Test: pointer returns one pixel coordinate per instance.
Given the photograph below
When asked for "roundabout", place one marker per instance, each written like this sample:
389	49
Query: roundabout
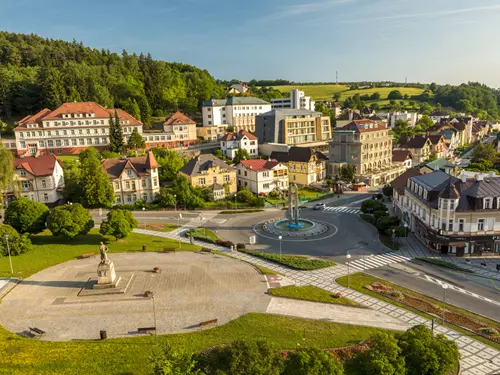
309	231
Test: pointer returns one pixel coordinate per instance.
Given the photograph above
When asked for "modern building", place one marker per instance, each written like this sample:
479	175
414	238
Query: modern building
40	179
296	100
230	143
454	215
262	177
292	127
238	112
133	178
367	146
178	131
210	133
69	129
402	157
305	166
209	172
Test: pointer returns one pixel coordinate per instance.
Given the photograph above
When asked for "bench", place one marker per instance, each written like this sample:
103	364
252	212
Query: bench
146	329
169	250
38	331
87	255
213	321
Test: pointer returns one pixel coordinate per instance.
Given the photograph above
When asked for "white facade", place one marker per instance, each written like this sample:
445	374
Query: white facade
263	180
297	100
130	187
232	142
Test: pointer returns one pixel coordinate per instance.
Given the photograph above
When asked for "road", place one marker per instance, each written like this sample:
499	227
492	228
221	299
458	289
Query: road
466	158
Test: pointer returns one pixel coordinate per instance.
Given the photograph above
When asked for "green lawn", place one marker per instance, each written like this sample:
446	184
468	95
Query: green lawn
64	158
266	271
357	282
292	261
310	194
310	293
49	250
160	227
204	234
21	356
442	263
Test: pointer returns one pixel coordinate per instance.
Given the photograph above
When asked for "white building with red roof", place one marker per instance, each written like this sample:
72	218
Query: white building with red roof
230	143
178	130
262	177
69	129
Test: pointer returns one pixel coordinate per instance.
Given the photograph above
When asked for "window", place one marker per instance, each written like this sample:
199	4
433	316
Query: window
433	220
215	179
45	197
480	224
129	198
461	225
129	172
265	186
118	200
452	204
201	181
82	141
58	142
50	143
450	225
226	178
133	185
443	224
155	181
127	185
488	203
22	172
73	142
117	186
44	184
265	174
143	183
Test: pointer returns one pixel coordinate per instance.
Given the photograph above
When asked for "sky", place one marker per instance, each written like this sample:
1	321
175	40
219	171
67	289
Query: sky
443	41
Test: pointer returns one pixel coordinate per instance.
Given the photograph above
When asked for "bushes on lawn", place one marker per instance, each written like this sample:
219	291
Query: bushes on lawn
17	243
292	261
70	221
371	205
368	218
26	216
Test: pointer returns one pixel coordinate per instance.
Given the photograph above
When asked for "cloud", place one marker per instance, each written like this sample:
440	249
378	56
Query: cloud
425	15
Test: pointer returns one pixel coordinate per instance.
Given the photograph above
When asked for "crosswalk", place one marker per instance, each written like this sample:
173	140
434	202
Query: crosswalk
343	210
375	261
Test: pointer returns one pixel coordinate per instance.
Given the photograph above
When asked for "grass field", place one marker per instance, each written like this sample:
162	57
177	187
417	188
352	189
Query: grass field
293	261
204	234
310	293
326	92
65	158
49	250
22	356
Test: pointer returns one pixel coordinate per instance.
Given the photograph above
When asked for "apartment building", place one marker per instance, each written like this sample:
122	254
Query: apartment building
293	127
210	133
230	143
296	100
262	177
69	129
453	215
133	178
238	112
178	131
305	166
366	145
39	178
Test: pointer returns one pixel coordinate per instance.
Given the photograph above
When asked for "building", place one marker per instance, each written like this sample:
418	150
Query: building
230	143
411	118
452	136
439	147
133	178
178	131
367	146
9	144
238	88
238	112
293	127
398	192
262	177
69	129
419	145
347	117
455	215
297	100
305	166
208	171
40	179
440	164
402	157
438	116
210	133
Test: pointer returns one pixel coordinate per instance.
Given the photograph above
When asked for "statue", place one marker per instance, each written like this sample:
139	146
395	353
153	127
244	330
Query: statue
104	253
106	276
293	206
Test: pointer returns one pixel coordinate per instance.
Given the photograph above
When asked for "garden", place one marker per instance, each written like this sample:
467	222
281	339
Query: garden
293	261
313	294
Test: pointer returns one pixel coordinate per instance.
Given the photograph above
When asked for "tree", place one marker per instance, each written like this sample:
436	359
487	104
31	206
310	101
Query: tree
112	135
132	108
424	123
173	361
372	205
336	96
73	189
118	133
118	223
136	140
170	161
375	96
395	95
18	244
433	87
230	129
3	127
97	189
145	111
433	156
348	172
425	353
385	223
240	155
245	195
374	106
70	221
387	190
486	152
383	358
26	216
312	361
6	170
219	154
187	195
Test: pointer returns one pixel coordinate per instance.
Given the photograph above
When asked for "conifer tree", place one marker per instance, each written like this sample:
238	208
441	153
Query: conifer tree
118	133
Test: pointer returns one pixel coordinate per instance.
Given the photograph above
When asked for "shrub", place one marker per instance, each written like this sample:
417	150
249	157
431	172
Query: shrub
372	205
387	222
240	246
26	216
396	294
118	223
490	331
224	243
18	244
368	218
379	213
70	221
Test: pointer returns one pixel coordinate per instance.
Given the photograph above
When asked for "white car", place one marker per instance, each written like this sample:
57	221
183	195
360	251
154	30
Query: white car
319	206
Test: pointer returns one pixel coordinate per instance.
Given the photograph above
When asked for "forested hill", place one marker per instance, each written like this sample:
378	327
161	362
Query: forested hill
36	73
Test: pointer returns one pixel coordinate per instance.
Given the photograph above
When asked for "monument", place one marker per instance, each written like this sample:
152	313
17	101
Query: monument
293	207
106	275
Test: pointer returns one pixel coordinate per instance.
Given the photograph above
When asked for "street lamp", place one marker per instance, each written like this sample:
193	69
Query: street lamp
348	256
8	250
175	201
154	315
280	238
236	201
445	286
178	226
144	217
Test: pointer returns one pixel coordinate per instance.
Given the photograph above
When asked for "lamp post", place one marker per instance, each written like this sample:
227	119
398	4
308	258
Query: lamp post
406	232
280	238
178	226
154	315
236	201
348	256
445	286
175	201
144	217
8	250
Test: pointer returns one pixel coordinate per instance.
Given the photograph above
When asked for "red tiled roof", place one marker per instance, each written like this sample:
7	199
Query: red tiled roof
362	126
238	136
123	116
259	164
32	119
37	166
179	118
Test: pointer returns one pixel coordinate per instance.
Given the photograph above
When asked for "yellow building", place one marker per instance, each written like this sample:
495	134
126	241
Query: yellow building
207	171
305	166
210	133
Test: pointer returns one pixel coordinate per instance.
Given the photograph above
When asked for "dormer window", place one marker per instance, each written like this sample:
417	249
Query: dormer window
129	172
22	172
487	203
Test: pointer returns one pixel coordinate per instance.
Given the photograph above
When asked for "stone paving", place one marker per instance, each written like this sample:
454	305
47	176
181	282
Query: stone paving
477	358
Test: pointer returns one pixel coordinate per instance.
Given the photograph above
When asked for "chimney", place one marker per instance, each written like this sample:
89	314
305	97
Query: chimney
464	178
492	174
479	177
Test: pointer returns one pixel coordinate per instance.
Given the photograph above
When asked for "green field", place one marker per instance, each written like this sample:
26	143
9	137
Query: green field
65	158
325	92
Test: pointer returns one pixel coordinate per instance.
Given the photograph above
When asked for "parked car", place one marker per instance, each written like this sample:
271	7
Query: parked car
319	206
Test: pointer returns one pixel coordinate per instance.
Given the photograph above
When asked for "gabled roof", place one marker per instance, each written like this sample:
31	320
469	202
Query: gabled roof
237	136
346	116
202	163
435	139
33	119
179	118
439	164
460	125
298	154
415	142
399	182
362	126
400	156
37	166
140	164
260	165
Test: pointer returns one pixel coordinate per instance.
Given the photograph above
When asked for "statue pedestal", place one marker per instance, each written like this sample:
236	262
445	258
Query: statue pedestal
106	276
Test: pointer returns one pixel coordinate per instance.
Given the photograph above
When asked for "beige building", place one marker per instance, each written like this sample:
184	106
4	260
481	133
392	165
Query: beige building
305	166
208	171
367	146
178	131
420	146
210	133
133	178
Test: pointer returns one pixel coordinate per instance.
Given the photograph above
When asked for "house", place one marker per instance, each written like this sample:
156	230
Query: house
439	147
70	128
134	178
398	192
230	143
464	130
454	215
238	88
305	166
411	118
262	177
418	145
402	157
209	172
296	100
40	179
178	131
479	130
438	116
440	164
347	117
452	136
210	133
